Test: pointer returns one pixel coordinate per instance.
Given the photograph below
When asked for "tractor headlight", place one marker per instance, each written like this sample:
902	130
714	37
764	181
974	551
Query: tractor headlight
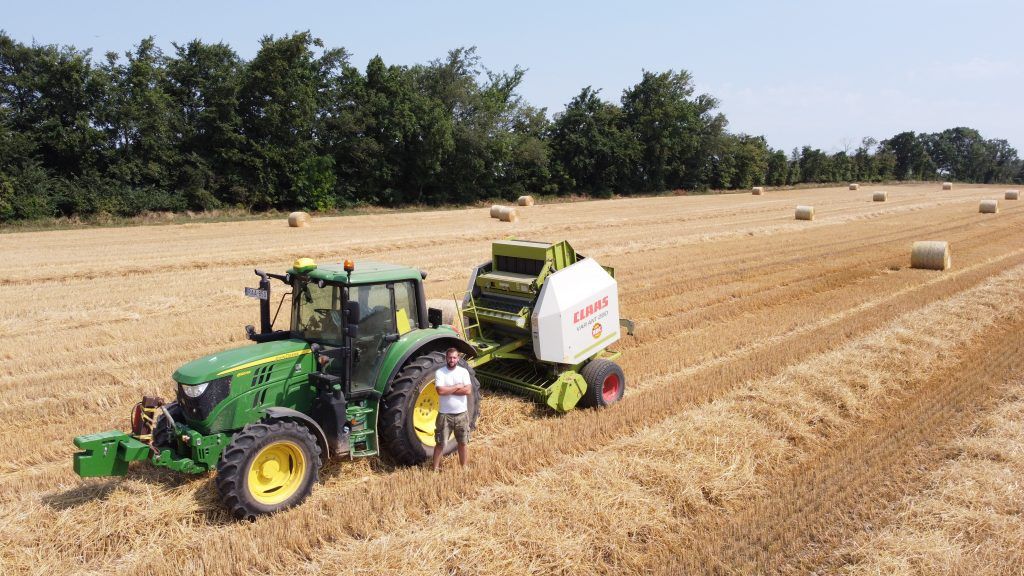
195	391
198	401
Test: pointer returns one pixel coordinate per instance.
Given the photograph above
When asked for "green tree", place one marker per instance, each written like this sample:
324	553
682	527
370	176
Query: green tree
138	115
778	169
203	81
279	100
591	149
675	132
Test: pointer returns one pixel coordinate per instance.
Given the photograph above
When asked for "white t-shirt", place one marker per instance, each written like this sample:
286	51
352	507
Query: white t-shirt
452	403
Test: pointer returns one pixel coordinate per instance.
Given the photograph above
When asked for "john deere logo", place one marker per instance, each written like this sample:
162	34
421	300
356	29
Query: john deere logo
596	330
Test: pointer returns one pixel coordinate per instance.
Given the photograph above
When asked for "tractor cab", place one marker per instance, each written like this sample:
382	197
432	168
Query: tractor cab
327	308
375	305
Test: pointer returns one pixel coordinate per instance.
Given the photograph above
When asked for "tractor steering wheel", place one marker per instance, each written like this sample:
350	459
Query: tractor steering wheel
327	313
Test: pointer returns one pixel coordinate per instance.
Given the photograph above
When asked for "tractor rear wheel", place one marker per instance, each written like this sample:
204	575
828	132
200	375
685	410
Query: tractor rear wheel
268	466
605	383
409	410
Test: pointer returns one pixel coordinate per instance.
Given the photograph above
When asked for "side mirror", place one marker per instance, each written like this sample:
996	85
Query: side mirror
435	317
250	331
352	311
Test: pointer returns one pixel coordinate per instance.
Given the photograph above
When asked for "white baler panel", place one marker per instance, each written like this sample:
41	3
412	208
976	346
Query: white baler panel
577	313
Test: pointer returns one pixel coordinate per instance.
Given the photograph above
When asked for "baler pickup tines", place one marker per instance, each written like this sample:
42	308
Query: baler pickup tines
560	392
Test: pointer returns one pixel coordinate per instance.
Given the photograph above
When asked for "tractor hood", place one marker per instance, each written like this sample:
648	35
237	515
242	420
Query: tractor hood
236	360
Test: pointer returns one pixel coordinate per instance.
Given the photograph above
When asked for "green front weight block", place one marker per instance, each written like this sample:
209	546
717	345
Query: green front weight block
107	453
566	391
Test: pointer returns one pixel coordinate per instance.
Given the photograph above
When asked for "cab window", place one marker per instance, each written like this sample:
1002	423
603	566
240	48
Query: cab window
406	308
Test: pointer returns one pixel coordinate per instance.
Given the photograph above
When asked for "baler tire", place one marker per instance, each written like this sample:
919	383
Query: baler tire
396	430
235	463
598	373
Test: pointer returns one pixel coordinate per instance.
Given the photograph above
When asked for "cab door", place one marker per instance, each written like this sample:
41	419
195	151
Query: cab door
386	313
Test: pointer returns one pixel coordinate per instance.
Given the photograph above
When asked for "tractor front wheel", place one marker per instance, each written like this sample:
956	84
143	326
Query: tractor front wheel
605	383
268	466
409	410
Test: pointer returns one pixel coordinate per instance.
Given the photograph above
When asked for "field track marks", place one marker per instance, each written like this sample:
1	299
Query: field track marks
795	525
967	517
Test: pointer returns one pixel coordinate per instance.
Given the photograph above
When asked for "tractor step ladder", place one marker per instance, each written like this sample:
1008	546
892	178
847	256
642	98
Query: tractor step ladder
362	442
464	311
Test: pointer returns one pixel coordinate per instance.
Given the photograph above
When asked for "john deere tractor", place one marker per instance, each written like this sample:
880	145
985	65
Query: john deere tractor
353	375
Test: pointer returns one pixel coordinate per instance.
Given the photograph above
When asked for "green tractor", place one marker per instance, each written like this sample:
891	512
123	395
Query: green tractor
354	374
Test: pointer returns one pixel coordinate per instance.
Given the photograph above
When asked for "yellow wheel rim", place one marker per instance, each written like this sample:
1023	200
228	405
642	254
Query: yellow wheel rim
276	472
424	415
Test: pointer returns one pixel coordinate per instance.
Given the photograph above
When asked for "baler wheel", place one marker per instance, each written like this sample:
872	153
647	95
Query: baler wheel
409	409
268	466
605	383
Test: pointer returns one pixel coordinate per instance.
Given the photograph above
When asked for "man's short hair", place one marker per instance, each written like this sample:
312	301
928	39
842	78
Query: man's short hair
449	351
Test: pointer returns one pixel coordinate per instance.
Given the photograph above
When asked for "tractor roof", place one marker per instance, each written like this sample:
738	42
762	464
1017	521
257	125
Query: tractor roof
365	272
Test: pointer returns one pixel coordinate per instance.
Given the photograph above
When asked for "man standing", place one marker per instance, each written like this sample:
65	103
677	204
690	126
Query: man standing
453	389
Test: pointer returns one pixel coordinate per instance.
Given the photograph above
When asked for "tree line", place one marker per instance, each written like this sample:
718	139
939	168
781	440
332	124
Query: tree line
298	126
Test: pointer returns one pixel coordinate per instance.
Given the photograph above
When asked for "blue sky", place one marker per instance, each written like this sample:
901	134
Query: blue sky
820	73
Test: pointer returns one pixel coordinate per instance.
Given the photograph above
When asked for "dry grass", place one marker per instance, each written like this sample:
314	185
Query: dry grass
967	520
748	358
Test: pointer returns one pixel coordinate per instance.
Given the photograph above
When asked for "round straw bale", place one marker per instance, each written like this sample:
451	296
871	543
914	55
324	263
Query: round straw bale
758	190
930	255
880	196
507	214
449	309
525	201
494	210
947	185
989	207
1013	194
805	212
299	220
854	186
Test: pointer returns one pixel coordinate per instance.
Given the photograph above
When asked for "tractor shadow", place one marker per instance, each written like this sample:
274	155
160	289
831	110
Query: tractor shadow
81	495
100	490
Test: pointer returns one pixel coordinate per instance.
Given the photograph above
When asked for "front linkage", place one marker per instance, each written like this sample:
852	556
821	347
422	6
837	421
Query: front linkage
156	436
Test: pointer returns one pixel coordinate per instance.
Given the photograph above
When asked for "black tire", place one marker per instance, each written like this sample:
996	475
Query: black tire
240	455
597	373
396	428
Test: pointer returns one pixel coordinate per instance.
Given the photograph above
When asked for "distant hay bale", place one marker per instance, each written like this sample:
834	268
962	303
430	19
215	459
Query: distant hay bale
299	220
507	214
930	255
525	201
989	207
880	196
1012	194
854	186
758	190
494	210
805	212
947	185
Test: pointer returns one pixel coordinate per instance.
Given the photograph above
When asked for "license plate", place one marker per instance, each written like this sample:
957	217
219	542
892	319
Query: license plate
256	293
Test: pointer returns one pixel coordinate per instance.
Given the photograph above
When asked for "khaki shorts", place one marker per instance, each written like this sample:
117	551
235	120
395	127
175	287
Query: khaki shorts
448	423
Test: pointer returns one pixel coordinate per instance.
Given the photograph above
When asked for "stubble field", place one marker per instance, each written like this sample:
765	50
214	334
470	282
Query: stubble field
799	399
